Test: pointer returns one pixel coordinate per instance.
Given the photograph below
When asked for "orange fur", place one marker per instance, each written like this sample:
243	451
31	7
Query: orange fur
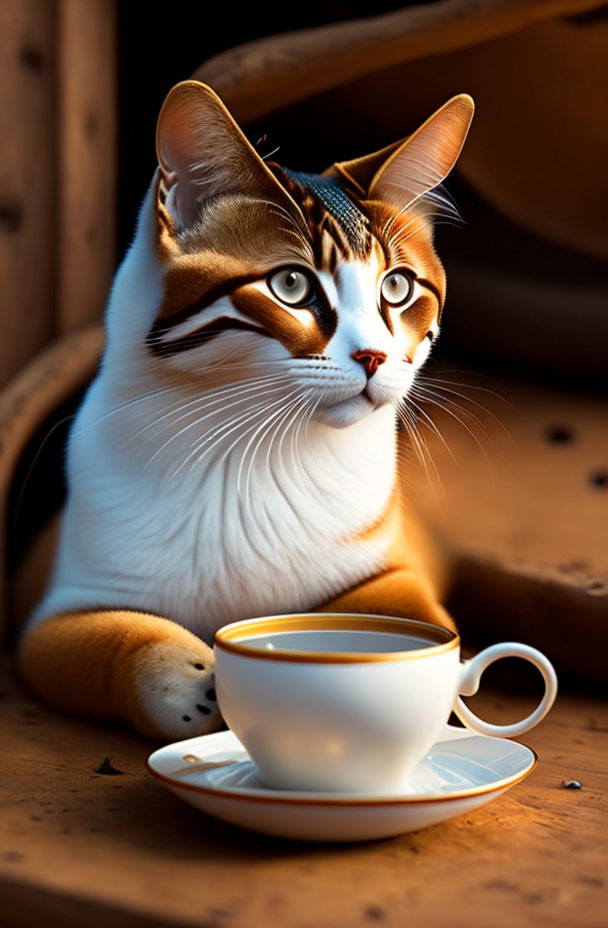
401	591
90	663
414	578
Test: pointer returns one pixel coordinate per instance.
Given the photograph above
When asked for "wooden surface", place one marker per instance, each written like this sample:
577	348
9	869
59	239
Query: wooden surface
81	848
514	476
27	176
57	170
273	72
87	125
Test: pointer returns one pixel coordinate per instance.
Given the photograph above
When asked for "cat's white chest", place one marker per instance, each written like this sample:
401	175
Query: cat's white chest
270	551
226	543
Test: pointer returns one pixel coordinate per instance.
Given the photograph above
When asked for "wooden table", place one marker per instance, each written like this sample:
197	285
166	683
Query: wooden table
82	848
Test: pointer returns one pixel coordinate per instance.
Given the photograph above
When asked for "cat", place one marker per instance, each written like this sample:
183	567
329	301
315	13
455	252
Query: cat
236	454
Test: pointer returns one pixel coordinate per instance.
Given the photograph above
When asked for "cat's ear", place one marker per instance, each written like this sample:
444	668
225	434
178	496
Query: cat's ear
405	171
203	153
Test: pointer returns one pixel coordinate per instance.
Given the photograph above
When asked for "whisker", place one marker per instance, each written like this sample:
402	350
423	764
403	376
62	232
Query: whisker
207	399
468	399
197	422
432	425
273	427
222	431
302	427
427	393
172	389
215	436
437	379
424	455
251	440
464	425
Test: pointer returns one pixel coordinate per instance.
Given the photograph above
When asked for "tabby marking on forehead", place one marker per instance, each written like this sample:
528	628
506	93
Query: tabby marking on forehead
330	212
331	193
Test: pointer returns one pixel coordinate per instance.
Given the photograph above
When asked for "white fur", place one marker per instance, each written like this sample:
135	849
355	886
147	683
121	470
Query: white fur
174	707
206	536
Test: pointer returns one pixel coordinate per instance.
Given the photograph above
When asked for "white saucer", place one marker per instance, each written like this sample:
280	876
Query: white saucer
463	770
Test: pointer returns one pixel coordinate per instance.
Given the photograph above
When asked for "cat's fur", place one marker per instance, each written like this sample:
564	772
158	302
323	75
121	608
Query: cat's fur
236	455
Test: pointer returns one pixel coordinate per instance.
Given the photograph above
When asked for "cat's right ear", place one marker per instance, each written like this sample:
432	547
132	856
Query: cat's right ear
405	171
202	153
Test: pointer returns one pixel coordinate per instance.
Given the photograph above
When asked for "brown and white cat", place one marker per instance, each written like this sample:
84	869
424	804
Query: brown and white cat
236	454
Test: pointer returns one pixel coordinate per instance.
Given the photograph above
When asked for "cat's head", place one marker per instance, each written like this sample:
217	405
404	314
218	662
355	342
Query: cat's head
327	286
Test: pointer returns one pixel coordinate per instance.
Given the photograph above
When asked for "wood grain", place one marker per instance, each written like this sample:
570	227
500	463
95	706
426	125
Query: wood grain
521	496
27	173
86	183
79	848
57	170
265	75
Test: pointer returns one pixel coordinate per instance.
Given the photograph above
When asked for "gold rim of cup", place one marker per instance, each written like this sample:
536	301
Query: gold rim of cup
236	637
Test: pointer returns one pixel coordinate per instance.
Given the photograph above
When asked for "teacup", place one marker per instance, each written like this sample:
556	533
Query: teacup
342	702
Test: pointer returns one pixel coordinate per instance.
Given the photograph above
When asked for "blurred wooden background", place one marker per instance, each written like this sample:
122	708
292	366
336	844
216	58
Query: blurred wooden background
527	277
537	71
57	170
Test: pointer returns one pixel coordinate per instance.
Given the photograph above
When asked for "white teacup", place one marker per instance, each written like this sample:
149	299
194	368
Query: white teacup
351	703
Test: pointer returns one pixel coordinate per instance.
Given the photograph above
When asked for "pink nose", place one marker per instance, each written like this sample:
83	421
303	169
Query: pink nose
371	360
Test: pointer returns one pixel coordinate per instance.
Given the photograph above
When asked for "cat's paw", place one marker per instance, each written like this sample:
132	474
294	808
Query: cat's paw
174	690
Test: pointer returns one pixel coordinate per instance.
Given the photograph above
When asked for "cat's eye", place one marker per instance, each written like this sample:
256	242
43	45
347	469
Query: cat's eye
396	288
291	285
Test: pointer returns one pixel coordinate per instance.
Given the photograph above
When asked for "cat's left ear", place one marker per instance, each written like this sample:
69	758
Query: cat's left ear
405	171
202	153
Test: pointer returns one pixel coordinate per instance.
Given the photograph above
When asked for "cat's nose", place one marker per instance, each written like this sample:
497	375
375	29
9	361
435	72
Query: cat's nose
371	360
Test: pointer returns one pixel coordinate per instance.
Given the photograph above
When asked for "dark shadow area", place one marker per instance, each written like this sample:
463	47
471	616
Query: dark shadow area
151	61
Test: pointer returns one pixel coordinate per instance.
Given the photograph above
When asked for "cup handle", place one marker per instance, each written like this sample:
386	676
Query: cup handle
469	684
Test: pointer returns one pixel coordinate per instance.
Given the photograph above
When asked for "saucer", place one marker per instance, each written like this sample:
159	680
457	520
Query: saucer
463	770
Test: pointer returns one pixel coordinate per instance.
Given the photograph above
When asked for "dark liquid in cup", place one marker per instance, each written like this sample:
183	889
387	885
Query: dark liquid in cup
345	641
